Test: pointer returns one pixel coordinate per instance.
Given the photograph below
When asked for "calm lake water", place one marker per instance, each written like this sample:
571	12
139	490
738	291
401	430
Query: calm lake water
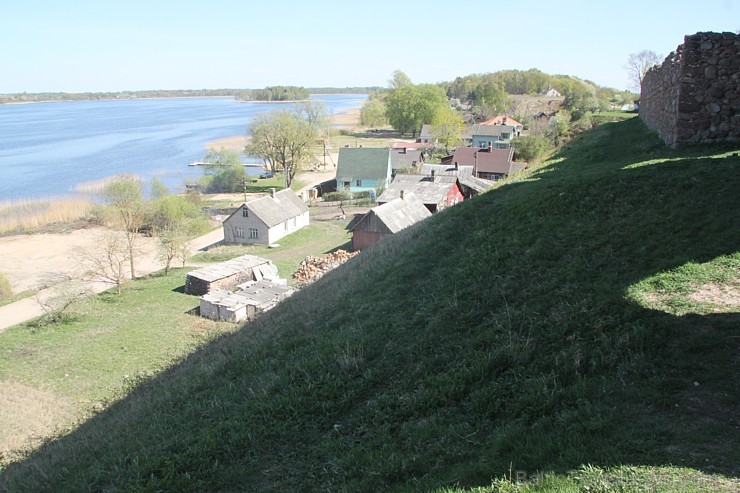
48	149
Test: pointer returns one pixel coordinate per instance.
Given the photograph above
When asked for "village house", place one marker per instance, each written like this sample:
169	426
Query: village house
265	220
387	219
229	274
405	156
470	185
552	93
362	169
505	120
435	192
498	136
489	164
425	137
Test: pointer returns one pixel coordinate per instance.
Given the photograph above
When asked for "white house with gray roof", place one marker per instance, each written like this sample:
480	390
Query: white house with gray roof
265	220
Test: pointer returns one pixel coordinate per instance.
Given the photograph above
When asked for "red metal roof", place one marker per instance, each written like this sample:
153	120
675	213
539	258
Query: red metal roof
502	120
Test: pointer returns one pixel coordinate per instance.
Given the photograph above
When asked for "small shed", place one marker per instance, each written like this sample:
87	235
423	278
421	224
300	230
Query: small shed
244	304
227	275
388	219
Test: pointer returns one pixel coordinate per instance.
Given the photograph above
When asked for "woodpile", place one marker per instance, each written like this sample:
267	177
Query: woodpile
312	268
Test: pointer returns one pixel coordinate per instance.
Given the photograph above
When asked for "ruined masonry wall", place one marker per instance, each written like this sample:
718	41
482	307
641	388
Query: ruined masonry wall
694	96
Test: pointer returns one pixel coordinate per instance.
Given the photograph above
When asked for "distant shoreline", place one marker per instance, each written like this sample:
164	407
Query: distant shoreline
164	97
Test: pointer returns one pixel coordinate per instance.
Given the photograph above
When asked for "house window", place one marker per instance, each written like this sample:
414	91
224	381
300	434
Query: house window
245	212
358	183
239	232
253	233
505	136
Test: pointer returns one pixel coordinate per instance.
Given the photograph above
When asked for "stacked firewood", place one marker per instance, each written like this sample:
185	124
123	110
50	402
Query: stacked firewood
312	268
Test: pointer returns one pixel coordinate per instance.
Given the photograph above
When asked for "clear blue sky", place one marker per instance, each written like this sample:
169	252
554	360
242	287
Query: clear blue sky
99	45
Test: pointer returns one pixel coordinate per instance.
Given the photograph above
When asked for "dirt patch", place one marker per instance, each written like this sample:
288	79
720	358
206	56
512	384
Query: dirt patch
34	261
27	414
725	297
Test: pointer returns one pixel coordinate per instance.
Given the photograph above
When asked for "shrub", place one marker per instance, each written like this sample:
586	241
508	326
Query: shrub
5	290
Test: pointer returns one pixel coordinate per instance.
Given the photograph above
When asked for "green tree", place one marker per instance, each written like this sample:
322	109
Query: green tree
411	106
490	97
284	140
398	80
125	195
223	171
531	148
447	127
372	113
157	189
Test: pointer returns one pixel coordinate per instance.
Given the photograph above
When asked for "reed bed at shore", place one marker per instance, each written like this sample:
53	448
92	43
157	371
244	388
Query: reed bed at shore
98	186
17	216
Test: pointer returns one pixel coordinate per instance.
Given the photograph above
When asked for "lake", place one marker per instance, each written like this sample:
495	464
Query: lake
47	149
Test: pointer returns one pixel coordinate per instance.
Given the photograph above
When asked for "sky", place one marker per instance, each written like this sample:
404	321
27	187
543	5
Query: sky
97	46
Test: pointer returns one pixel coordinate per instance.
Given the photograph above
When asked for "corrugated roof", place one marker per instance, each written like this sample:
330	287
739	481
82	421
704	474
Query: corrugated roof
491	130
363	162
230	267
401	213
275	210
261	294
431	191
464	175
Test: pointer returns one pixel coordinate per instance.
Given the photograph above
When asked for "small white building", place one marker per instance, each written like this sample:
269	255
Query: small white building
265	220
251	299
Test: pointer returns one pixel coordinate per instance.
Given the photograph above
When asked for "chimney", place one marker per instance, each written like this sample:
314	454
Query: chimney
456	168
402	194
432	175
272	190
490	146
403	150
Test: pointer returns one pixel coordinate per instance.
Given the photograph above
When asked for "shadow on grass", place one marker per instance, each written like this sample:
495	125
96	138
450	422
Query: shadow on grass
497	333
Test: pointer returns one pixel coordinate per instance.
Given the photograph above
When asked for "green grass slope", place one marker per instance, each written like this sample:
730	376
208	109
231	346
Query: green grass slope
529	334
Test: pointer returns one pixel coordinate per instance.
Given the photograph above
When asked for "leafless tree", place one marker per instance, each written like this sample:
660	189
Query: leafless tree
108	262
56	295
639	63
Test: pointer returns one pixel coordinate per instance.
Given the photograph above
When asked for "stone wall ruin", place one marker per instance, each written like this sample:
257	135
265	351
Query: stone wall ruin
694	96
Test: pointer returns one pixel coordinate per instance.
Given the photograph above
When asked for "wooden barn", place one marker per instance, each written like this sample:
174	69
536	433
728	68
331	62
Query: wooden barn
388	219
229	274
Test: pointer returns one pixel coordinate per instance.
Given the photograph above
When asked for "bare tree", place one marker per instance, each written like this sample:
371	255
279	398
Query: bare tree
108	262
639	63
172	242
125	195
57	295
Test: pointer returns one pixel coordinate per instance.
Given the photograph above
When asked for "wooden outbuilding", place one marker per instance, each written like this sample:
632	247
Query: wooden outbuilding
229	274
388	219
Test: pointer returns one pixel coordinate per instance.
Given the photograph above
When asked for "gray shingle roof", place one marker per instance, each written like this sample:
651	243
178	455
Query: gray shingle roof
278	209
492	130
405	158
363	162
401	213
464	175
431	191
234	266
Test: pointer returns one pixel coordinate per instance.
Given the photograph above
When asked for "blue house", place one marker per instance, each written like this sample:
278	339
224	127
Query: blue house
492	136
361	169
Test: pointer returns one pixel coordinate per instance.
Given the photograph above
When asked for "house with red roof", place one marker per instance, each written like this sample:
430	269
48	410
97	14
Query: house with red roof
505	120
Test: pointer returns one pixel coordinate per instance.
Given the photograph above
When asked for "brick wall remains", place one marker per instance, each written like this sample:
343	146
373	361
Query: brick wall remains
694	96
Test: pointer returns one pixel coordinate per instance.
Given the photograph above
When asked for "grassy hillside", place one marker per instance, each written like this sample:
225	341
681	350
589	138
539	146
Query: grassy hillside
550	331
